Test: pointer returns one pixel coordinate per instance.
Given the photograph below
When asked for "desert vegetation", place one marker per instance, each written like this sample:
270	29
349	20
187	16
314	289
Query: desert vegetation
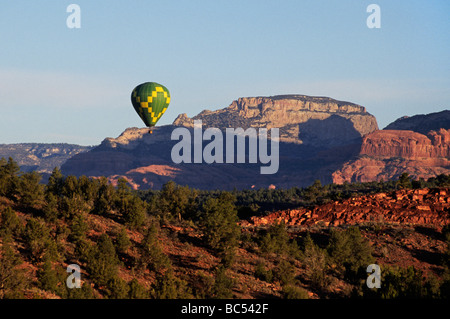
180	242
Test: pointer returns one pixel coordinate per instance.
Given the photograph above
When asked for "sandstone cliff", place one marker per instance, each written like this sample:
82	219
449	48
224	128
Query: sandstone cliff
320	138
388	153
408	144
317	135
301	119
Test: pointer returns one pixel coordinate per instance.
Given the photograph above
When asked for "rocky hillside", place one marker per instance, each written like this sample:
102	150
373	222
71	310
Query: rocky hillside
422	123
425	207
40	157
180	243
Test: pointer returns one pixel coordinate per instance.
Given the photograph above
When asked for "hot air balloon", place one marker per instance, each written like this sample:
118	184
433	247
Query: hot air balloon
150	100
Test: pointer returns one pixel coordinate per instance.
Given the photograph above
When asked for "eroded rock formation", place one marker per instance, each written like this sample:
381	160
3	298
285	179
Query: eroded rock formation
317	135
387	154
300	118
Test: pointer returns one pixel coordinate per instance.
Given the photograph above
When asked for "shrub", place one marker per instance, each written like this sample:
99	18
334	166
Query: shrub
397	282
294	292
262	273
222	288
84	250
168	286
203	286
136	291
85	292
276	239
284	272
73	206
116	288
315	261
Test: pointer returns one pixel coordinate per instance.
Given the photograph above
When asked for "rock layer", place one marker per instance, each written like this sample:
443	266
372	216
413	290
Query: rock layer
408	144
387	154
300	118
40	157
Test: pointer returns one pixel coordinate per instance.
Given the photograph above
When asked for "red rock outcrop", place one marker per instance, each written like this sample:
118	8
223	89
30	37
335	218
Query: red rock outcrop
417	207
408	144
388	153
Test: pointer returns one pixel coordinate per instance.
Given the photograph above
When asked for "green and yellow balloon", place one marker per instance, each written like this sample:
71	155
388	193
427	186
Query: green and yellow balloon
150	100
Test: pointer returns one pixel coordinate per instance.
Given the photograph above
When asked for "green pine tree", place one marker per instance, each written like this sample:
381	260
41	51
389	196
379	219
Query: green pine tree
122	242
152	255
10	223
47	277
103	261
168	286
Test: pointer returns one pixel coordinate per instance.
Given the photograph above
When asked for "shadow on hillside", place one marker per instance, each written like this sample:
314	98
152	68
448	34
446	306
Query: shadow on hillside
428	231
330	132
432	258
187	262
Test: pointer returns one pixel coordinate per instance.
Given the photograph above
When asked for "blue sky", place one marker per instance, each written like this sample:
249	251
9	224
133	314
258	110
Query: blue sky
73	85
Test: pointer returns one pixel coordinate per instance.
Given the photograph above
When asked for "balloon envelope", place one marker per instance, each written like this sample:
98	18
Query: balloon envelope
150	100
